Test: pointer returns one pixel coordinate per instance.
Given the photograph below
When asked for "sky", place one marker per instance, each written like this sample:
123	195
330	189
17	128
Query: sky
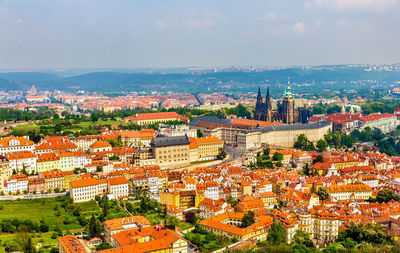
57	34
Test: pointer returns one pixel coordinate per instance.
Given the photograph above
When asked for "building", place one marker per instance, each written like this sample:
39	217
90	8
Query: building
148	239
114	226
54	179
346	122
171	151
349	192
144	119
208	147
22	160
47	162
118	187
71	244
86	189
36	185
228	225
100	146
177	130
282	135
16	183
15	144
288	113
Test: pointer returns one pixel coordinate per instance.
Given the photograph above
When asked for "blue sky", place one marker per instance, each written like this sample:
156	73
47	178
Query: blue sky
168	33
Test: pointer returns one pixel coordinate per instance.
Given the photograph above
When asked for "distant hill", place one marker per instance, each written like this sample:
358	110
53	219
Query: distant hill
197	82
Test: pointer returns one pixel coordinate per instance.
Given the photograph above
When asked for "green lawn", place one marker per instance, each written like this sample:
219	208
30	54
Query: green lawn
29	126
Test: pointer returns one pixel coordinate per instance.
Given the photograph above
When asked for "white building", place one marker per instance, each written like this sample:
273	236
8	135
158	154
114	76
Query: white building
15	144
18	182
212	191
21	160
118	187
87	189
153	182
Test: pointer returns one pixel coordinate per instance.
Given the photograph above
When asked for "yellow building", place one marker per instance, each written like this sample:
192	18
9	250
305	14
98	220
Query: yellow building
181	199
47	162
228	225
171	151
151	118
208	147
148	239
66	160
68	177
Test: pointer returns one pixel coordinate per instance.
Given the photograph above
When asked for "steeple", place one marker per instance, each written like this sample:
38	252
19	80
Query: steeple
268	105
258	104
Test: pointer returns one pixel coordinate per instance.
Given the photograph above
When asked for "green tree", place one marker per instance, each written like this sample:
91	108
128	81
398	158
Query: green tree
276	234
322	193
277	156
199	133
301	237
319	159
247	219
92	226
321	145
303	143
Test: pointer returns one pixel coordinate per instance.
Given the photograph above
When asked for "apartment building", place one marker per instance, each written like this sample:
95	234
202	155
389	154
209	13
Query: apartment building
15	144
114	226
171	151
22	160
118	187
86	189
350	191
144	119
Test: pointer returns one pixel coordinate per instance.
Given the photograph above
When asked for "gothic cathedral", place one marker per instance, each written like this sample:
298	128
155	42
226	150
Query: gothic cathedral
287	113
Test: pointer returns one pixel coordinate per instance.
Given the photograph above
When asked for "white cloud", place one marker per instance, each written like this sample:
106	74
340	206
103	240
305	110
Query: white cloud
19	21
269	16
198	23
300	28
362	5
161	25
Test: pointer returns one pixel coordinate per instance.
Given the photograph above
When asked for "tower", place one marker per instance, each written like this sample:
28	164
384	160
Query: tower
259	106
288	113
268	106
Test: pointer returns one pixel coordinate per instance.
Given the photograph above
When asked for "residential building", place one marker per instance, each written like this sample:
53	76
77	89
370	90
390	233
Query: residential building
22	160
171	151
115	226
118	187
70	244
150	118
15	144
86	189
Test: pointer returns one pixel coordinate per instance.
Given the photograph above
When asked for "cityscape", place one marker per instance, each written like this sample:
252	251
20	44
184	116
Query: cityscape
183	127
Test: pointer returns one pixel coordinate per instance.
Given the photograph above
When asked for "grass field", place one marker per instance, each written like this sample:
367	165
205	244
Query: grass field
44	210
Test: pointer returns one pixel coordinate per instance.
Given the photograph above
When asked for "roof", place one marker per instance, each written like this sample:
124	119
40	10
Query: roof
87	182
165	141
100	144
117	180
5	142
156	115
117	224
71	244
20	155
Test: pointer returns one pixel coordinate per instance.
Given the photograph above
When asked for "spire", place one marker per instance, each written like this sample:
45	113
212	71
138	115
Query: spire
268	105
259	91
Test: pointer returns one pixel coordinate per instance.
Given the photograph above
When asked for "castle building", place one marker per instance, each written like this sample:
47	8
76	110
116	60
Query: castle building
287	113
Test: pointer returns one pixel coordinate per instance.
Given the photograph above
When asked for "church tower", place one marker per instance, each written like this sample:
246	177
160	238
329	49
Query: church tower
268	106
288	113
259	105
